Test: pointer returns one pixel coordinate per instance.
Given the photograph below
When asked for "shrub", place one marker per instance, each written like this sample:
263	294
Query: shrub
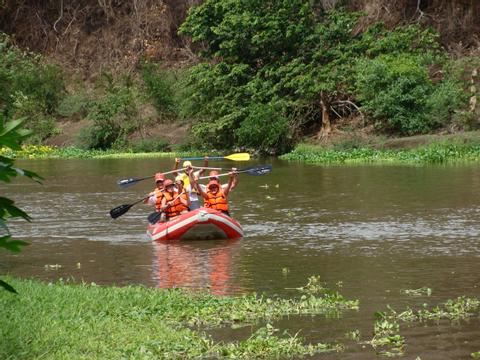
114	116
150	145
29	88
265	128
397	93
73	106
160	88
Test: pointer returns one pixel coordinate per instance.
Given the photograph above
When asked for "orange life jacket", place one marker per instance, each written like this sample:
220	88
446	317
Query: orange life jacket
216	201
158	198
178	207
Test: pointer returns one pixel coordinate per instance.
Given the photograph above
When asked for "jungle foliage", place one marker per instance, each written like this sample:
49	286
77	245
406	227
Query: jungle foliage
270	67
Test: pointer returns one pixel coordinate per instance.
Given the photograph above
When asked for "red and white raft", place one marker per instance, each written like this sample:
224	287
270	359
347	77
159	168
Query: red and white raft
200	224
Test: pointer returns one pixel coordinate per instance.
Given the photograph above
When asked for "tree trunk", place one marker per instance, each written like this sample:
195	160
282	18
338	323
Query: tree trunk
326	125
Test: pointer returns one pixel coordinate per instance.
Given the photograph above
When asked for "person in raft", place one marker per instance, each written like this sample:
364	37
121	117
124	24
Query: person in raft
192	192
174	202
215	197
213	175
156	196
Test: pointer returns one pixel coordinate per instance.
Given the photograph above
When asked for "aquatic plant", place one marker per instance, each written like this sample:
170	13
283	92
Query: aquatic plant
423	291
453	309
386	335
51	152
432	154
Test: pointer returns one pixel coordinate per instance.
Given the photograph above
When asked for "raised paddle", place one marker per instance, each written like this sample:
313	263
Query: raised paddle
132	181
122	209
257	171
234	157
154	217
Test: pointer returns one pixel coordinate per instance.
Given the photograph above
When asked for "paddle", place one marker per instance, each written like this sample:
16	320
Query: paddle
122	209
132	181
257	171
234	157
154	217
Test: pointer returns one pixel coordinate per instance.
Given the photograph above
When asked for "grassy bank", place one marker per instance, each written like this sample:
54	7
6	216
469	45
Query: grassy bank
91	322
50	152
435	153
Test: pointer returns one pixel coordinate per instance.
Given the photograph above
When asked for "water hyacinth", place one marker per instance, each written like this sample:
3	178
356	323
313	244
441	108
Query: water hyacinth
52	152
435	153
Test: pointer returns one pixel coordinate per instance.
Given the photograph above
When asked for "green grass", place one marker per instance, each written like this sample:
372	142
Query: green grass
66	321
435	153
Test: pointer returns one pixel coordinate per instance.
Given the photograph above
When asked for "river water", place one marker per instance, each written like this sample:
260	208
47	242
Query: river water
371	231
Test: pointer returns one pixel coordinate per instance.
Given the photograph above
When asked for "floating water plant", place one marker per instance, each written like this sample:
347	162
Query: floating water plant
386	335
423	291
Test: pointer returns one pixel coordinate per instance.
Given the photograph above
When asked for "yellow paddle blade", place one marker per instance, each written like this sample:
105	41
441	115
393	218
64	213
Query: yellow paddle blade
238	157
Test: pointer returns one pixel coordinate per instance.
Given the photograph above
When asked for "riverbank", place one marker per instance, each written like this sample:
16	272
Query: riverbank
436	152
52	152
83	321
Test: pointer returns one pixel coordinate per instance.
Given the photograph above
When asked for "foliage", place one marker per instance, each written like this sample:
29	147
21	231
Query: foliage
74	106
125	322
114	116
268	65
453	309
149	145
423	291
441	152
397	92
160	86
11	136
29	88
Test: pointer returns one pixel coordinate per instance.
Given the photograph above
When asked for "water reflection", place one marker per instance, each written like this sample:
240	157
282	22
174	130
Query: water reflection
199	265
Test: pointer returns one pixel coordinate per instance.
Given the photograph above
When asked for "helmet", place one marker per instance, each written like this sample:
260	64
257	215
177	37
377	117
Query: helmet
179	178
167	183
159	177
214	174
213	183
187	164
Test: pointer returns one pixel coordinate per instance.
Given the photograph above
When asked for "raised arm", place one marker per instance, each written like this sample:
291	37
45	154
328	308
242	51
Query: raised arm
195	185
205	165
175	167
232	182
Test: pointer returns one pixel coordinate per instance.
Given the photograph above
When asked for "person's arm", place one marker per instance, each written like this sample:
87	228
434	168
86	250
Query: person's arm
196	185
235	179
230	183
205	164
175	167
164	204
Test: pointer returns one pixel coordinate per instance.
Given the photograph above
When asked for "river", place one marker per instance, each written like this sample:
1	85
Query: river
371	231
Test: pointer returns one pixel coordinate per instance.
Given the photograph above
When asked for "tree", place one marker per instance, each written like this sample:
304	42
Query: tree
293	56
11	136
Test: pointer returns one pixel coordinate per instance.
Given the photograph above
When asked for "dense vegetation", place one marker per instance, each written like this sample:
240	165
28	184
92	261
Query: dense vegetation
268	73
272	71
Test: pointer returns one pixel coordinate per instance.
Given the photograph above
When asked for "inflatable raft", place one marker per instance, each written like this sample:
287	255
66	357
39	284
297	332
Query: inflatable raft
200	224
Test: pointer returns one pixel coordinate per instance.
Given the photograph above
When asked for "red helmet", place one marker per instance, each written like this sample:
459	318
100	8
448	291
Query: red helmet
159	177
167	183
213	173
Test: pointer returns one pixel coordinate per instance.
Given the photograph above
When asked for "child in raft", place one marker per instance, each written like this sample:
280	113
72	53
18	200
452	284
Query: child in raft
192	193
156	196
215	196
175	201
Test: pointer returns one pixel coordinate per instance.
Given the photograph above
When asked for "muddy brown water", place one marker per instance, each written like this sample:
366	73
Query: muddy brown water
376	229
